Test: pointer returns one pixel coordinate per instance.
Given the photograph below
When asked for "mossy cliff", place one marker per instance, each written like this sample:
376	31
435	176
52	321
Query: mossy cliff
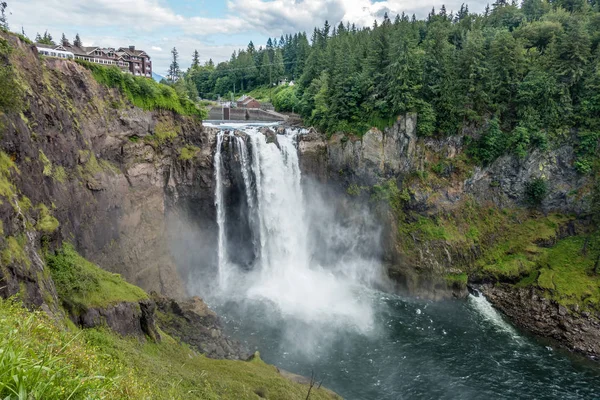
518	225
80	162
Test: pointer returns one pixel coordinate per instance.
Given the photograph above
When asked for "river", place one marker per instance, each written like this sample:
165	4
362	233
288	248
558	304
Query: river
297	281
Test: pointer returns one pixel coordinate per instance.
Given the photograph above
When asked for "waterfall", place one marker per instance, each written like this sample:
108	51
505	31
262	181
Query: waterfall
222	245
284	272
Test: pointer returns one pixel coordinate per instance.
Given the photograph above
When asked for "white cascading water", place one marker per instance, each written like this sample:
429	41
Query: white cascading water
220	205
284	273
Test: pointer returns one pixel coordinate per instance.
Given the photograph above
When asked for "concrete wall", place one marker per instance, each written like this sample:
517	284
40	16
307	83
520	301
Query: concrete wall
245	114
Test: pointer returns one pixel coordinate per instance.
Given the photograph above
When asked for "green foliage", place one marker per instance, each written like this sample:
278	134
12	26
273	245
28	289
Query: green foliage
188	152
286	100
46	223
7	167
143	92
14	251
536	191
38	360
492	143
11	94
81	284
587	145
388	192
165	131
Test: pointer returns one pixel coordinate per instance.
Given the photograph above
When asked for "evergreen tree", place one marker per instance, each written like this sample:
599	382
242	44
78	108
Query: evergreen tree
64	39
174	72
46	39
195	59
3	20
77	41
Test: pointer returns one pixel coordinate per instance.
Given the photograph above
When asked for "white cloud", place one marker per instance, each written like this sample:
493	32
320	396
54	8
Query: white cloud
275	17
152	24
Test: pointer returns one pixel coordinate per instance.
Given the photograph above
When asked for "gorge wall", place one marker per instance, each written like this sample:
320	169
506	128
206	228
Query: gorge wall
450	224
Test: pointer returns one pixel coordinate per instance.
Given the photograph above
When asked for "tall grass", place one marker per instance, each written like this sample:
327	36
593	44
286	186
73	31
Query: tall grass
38	360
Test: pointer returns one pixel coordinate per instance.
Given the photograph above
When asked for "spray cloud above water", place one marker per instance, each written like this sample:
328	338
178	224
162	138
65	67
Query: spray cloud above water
291	247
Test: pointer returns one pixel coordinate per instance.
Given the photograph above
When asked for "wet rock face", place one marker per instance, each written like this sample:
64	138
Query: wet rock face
576	330
195	324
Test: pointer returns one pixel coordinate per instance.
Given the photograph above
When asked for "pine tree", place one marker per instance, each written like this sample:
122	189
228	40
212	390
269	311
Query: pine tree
174	71
77	41
3	20
195	59
64	40
46	39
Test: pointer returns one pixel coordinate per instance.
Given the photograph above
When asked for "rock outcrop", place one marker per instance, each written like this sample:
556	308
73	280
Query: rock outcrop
572	328
125	318
194	323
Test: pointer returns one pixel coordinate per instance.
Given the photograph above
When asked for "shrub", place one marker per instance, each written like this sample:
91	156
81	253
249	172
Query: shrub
46	223
10	91
536	191
188	152
286	99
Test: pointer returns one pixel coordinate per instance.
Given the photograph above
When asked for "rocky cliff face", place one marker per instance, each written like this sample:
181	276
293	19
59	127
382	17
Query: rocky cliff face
78	163
110	174
449	223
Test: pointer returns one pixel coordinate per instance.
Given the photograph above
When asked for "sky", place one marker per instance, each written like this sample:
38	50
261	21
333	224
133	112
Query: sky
214	28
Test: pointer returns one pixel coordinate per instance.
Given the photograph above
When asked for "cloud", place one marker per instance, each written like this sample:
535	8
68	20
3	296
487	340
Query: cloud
275	17
152	24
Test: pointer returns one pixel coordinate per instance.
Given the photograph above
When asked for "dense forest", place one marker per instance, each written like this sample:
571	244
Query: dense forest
526	74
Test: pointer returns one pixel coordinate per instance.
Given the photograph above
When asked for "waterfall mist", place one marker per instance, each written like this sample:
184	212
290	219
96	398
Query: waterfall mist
289	251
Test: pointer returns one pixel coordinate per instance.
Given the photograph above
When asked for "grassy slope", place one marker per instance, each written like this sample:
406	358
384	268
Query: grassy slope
82	283
39	357
264	93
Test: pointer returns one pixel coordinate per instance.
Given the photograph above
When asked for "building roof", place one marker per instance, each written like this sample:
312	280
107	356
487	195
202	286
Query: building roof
108	53
133	52
249	100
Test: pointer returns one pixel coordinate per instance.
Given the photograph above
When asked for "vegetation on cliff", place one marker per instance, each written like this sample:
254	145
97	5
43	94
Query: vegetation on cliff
41	357
81	284
143	92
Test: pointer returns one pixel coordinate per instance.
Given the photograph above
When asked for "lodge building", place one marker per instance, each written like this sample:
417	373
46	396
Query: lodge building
128	59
